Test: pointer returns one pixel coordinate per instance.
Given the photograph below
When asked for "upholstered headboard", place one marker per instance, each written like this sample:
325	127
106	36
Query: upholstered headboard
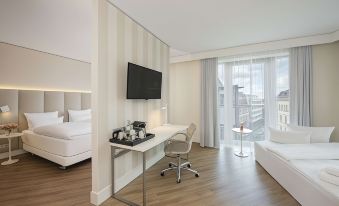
22	101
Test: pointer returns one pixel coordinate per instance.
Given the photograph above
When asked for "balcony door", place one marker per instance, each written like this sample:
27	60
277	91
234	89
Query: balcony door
253	91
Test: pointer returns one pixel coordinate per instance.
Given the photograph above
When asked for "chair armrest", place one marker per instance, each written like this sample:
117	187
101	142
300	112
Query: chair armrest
180	133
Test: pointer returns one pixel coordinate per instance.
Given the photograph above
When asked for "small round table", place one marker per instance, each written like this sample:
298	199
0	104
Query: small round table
9	137
244	131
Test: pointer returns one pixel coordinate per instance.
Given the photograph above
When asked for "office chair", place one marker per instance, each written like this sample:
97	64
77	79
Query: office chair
178	148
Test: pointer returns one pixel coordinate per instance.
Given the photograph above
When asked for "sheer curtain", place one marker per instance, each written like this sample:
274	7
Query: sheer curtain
250	87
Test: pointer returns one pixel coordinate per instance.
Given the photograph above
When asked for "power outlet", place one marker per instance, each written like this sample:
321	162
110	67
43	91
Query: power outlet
3	146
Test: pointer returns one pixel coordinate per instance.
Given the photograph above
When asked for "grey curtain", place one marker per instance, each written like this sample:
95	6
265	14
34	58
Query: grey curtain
209	104
301	85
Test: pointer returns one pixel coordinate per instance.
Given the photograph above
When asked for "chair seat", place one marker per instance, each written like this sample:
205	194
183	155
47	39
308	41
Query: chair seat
177	147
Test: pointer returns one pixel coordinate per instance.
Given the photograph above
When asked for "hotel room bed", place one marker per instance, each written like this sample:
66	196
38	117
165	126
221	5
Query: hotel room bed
57	146
300	177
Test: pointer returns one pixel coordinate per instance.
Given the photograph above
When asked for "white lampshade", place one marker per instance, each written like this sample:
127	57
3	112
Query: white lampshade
164	107
4	109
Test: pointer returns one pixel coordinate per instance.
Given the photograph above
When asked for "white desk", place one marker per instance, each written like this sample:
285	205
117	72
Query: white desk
162	134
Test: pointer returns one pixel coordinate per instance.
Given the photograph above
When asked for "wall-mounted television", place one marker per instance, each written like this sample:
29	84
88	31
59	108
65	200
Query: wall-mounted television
143	83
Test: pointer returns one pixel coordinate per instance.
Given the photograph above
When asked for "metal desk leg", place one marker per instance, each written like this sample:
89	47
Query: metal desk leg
114	195
112	158
143	177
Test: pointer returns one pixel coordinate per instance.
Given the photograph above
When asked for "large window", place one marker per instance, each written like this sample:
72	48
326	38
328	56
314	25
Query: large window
255	92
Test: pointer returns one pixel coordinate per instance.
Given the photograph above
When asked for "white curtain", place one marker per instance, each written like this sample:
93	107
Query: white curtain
270	94
227	110
250	86
301	85
209	107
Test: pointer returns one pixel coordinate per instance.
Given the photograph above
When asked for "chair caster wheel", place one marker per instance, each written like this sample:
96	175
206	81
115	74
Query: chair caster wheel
189	165
179	180
162	174
196	175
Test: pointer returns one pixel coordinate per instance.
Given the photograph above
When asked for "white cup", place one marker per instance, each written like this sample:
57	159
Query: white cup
121	135
133	137
141	134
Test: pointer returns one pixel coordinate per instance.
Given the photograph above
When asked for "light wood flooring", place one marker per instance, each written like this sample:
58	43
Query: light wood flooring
224	180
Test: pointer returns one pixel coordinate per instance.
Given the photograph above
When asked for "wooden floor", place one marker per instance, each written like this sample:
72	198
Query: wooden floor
36	181
224	180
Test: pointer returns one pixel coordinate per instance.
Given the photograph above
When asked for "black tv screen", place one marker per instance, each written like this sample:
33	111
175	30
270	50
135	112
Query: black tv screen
143	83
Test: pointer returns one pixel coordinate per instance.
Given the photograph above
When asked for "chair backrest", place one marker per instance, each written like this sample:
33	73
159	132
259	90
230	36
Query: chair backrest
190	131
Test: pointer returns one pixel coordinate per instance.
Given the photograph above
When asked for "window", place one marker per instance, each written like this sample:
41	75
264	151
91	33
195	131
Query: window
221	99
244	84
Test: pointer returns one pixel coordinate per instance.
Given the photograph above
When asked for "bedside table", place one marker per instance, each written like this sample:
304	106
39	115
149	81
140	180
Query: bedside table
9	137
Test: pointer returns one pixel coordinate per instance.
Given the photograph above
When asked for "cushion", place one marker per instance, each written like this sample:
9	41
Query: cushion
44	121
289	137
47	115
318	134
79	115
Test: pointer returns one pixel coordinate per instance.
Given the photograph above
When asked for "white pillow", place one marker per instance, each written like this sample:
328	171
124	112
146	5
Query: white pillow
79	115
47	115
43	121
318	134
289	137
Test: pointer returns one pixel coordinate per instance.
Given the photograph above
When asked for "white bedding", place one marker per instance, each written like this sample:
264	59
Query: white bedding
311	170
67	130
61	147
310	190
316	151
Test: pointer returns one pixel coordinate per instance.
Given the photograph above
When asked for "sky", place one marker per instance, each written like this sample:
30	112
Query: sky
241	75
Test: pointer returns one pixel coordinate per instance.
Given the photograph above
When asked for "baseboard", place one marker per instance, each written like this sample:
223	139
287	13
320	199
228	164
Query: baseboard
196	139
99	197
14	153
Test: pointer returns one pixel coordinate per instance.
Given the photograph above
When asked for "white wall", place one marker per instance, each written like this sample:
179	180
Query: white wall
326	87
23	68
61	27
117	41
185	95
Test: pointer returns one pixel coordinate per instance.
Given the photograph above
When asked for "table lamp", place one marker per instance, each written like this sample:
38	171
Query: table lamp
164	108
3	109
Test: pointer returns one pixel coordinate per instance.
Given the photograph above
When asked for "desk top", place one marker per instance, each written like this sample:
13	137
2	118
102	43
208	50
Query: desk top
162	134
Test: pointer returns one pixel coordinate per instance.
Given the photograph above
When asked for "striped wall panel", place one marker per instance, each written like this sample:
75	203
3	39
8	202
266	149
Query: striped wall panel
129	42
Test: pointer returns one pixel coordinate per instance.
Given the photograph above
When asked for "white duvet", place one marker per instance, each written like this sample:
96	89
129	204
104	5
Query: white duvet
315	151
311	168
67	130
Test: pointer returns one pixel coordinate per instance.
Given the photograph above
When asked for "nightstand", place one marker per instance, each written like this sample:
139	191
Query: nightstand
9	137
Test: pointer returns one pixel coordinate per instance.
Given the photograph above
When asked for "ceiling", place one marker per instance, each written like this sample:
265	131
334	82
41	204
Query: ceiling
192	26
61	27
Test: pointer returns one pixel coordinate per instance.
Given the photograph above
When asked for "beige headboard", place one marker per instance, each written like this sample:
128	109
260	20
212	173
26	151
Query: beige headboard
22	101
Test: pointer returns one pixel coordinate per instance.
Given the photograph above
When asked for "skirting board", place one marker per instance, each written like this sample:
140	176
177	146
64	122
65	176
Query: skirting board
14	153
196	139
99	197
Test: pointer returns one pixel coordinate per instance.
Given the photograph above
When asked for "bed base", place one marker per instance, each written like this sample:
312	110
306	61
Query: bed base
302	189
61	160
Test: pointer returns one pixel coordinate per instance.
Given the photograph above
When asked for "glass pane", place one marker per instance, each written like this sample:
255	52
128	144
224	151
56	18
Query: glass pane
283	94
246	90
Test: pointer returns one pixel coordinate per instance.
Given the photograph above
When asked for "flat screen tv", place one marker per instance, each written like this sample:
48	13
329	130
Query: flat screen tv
143	83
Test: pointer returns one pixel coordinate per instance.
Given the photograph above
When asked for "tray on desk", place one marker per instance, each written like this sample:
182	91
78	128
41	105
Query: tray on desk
132	143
